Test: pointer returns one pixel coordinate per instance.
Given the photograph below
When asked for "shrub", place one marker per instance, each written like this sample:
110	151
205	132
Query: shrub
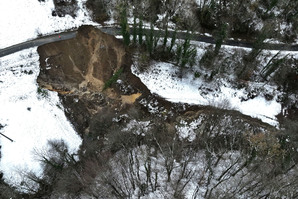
267	146
206	16
99	10
113	79
42	92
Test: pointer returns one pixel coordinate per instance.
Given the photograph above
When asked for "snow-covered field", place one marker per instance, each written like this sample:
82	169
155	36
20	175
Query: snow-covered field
31	118
160	80
24	20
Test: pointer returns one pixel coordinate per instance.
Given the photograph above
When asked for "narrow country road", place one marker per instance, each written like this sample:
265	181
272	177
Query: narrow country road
37	42
117	31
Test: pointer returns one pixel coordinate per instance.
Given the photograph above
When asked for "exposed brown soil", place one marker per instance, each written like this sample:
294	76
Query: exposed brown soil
85	62
78	69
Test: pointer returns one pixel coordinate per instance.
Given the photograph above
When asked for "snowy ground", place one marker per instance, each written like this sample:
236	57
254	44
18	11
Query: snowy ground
161	78
24	20
31	118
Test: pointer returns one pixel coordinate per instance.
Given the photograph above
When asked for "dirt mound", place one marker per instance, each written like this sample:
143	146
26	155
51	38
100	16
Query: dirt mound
85	62
79	68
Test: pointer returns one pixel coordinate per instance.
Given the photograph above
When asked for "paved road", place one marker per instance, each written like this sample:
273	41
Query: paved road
37	42
206	39
117	31
211	40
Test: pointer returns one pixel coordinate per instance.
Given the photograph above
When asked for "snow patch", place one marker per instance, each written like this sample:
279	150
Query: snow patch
163	79
185	130
138	127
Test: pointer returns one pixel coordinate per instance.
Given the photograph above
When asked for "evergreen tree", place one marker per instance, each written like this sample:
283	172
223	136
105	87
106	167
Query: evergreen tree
150	39
125	27
140	31
165	39
134	31
156	39
221	35
173	41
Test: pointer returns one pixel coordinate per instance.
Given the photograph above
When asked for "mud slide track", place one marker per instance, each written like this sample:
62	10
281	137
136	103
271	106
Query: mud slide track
117	31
